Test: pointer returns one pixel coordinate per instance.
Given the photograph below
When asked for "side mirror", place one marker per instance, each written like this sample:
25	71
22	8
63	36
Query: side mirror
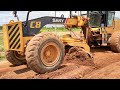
15	13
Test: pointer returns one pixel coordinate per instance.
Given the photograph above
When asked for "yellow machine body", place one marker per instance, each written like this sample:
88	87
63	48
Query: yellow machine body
68	40
14	40
77	21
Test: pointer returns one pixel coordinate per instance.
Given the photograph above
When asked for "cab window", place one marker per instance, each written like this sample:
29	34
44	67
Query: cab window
110	18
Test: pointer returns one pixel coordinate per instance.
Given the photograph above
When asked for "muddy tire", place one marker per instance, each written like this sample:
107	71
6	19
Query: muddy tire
44	53
115	42
14	58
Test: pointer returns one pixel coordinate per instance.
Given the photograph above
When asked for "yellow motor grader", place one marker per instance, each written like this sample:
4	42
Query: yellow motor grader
43	52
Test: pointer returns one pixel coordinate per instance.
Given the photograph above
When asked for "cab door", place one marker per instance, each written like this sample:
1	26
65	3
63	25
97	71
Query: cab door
110	18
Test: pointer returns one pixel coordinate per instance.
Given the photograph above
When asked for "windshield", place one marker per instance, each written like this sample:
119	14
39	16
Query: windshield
95	19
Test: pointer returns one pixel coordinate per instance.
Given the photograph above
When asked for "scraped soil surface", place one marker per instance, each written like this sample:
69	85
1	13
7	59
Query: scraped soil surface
75	66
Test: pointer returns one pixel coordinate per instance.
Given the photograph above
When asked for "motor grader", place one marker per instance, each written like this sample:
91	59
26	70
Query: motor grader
43	52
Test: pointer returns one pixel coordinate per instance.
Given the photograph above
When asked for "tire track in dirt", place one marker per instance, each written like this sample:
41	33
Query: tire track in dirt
107	62
8	71
63	69
74	74
111	71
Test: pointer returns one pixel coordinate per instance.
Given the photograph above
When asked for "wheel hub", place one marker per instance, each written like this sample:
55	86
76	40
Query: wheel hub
19	55
50	54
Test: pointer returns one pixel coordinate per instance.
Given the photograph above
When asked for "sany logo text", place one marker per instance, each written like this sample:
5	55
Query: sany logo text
57	20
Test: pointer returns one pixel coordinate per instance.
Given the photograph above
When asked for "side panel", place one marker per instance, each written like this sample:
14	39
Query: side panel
114	27
13	36
5	37
35	25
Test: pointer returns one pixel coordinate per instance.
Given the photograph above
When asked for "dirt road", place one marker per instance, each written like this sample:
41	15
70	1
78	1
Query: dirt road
107	65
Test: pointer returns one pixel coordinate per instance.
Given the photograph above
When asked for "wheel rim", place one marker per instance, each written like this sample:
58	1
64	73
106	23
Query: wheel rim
50	54
18	56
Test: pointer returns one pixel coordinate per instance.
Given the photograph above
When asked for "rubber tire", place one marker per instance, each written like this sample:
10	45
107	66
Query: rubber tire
13	60
33	52
115	42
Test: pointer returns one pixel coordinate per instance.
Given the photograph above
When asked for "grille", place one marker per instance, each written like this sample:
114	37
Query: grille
14	36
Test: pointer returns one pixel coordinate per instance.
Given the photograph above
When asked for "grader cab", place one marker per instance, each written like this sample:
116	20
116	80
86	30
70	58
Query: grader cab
104	29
